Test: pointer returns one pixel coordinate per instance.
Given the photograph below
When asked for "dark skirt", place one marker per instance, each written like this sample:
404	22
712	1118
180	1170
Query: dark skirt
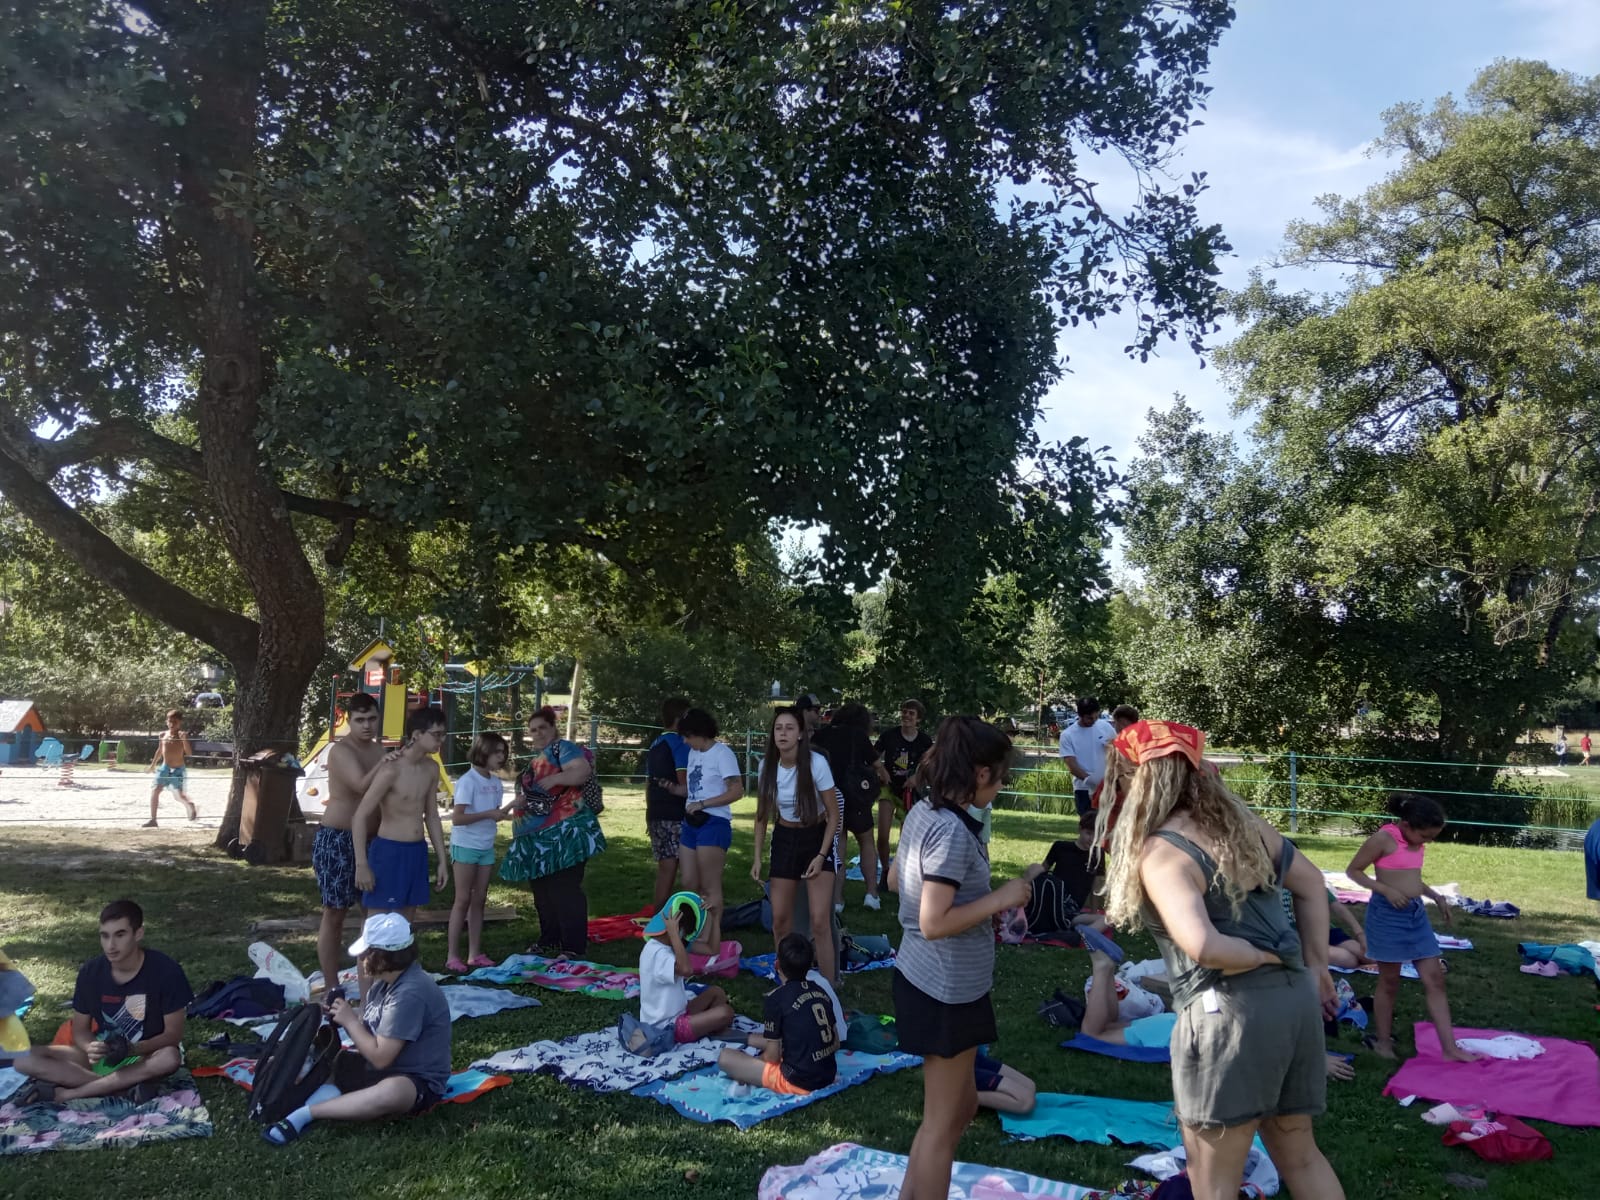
793	848
925	1025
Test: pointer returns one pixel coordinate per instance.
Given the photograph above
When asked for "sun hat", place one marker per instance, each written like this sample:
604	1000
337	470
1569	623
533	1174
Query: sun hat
675	903
383	931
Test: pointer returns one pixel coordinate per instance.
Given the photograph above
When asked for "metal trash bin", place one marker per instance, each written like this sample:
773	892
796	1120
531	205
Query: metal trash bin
269	798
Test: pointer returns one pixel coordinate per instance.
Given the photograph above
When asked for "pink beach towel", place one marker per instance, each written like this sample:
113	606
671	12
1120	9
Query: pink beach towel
1561	1085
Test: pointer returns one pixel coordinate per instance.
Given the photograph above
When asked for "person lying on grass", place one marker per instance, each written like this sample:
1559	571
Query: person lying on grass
127	1020
668	1014
401	1062
1101	1021
1003	1088
801	1037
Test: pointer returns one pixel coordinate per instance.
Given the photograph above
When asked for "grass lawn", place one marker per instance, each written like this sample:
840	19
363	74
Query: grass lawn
538	1138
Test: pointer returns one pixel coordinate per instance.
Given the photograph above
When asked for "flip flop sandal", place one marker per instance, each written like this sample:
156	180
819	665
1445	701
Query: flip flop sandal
285	1130
1095	940
37	1091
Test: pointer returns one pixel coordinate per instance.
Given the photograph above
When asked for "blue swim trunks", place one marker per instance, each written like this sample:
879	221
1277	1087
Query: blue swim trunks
400	873
171	777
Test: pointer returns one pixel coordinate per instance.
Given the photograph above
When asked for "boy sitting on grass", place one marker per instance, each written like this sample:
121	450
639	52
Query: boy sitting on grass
668	1013
800	1039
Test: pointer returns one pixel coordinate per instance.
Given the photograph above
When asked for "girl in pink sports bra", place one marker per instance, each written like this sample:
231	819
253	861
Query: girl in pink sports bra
1397	925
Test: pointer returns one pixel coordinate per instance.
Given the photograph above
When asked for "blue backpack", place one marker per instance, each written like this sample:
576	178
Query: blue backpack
240	996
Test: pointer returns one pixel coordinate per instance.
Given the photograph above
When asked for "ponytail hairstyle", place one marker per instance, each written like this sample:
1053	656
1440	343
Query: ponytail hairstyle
545	714
1417	810
808	806
949	771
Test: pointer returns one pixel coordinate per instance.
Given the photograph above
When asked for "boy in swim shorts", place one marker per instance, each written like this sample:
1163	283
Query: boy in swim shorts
172	752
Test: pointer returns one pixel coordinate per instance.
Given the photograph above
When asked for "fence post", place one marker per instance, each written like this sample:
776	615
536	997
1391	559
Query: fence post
1294	794
749	749
477	704
594	734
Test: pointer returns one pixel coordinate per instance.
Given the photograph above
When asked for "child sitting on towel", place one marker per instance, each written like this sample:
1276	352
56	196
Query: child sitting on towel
1003	1088
668	1013
800	1039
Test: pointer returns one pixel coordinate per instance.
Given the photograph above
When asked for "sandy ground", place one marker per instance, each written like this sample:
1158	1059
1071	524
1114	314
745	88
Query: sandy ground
109	799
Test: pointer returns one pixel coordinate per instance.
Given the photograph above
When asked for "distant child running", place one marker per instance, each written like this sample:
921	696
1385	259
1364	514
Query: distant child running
668	1013
1398	931
172	752
477	810
800	1039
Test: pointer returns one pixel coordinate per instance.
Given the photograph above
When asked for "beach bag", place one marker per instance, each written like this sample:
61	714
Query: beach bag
593	796
238	997
868	1034
1500	1139
296	1060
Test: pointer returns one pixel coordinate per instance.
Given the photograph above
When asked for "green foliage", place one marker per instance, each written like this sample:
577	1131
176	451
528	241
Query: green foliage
1414	524
87	699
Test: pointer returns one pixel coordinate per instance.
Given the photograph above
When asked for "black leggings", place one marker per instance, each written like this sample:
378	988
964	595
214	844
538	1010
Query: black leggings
563	910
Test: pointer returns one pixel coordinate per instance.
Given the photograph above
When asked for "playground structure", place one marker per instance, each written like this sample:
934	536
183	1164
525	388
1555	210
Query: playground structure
378	675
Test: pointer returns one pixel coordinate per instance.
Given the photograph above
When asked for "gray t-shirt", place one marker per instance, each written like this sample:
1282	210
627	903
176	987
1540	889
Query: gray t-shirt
943	845
413	1009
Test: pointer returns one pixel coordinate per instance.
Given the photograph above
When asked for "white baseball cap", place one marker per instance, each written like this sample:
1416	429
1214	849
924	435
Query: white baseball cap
383	931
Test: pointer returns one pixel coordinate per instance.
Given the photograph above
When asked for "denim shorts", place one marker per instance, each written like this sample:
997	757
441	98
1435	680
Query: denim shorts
715	834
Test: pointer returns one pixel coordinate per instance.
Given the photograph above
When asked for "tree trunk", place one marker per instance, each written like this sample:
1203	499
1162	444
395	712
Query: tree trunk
572	700
254	518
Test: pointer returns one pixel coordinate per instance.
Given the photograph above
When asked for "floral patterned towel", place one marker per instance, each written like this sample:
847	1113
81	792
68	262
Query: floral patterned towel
851	1172
564	975
597	1060
109	1121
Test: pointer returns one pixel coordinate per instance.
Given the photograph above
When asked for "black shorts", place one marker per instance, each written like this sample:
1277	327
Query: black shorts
351	1073
860	813
793	848
928	1026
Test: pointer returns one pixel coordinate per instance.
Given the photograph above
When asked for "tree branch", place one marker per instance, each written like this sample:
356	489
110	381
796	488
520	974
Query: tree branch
232	635
123	437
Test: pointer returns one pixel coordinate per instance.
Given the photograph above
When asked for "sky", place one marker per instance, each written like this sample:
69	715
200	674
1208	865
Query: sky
1298	89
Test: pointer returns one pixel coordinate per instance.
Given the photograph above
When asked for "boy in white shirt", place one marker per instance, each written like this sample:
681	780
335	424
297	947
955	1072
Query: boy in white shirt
664	1002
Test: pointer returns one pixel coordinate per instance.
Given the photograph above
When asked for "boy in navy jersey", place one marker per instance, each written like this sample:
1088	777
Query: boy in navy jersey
801	1036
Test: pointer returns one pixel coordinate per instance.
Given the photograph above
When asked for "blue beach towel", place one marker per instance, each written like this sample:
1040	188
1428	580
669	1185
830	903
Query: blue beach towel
1101	1119
1140	1054
703	1095
764	966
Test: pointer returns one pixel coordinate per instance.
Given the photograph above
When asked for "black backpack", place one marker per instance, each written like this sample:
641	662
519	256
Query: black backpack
296	1060
238	997
1050	907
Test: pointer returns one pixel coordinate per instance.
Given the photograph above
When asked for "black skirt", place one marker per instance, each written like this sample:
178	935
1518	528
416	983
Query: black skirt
925	1025
793	848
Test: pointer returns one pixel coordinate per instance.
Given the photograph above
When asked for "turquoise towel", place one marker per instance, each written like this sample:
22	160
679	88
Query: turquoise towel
1096	1119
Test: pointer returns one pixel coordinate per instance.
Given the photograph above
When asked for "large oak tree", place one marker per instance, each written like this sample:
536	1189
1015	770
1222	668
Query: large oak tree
555	275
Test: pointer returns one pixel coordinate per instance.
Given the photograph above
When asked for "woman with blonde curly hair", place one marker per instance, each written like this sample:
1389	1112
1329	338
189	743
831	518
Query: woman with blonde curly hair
1203	873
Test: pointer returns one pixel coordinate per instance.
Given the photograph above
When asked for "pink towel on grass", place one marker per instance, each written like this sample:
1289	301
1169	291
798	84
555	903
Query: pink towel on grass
1561	1085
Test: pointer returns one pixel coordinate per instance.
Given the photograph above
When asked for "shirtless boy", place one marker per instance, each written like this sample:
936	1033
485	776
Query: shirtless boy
404	792
172	751
353	761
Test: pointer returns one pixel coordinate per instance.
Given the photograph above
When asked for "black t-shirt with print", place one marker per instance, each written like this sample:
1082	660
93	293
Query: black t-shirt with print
900	756
800	1015
138	1008
1069	862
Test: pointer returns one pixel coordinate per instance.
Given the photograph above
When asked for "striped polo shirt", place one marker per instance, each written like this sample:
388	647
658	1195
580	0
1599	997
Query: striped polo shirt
944	845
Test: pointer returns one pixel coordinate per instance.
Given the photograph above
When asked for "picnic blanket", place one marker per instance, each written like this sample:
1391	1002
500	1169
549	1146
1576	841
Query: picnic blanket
463	1088
1407	970
620	927
704	1095
1140	1054
597	1060
851	1172
465	1000
1348	891
765	966
175	1114
1503	909
1572	958
1561	1085
1101	1119
564	975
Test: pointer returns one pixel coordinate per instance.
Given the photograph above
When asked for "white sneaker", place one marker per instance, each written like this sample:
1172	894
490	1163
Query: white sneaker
873	902
839	907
